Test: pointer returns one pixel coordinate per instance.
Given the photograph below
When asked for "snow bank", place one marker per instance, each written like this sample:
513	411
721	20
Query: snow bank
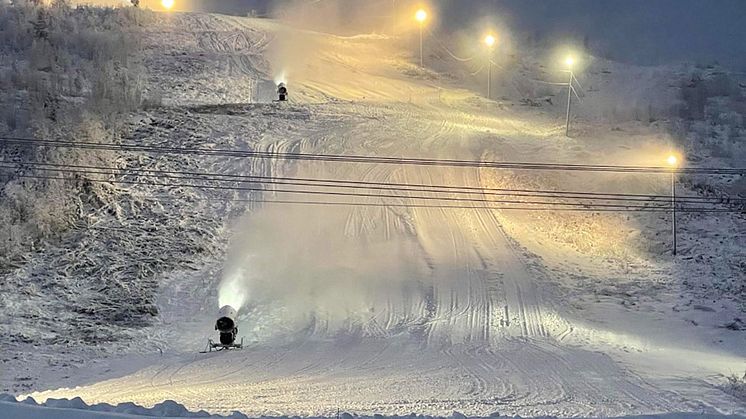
78	409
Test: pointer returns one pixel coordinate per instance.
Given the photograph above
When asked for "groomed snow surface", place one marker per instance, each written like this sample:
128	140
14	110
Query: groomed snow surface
389	309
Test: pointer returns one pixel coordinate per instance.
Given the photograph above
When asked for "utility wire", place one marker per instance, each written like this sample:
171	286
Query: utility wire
557	205
447	50
546	82
474	73
576	93
470	207
580	86
371	159
348	184
345	194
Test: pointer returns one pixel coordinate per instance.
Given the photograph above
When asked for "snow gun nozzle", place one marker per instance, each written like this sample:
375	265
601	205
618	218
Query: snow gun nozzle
226	322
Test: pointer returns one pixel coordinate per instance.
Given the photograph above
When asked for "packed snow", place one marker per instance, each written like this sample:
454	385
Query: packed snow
391	310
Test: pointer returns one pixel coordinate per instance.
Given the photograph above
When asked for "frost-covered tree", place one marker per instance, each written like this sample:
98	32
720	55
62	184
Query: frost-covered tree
67	72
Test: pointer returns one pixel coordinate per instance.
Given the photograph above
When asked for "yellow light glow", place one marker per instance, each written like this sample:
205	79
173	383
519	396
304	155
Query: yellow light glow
167	4
570	61
490	40
421	15
672	160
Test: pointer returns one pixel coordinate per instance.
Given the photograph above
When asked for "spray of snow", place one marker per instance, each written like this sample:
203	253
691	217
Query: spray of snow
302	266
294	53
233	291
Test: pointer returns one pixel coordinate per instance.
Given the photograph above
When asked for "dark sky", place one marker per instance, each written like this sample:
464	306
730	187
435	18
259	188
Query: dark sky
638	31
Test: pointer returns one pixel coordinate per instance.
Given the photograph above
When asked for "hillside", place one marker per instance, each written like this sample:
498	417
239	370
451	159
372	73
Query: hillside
390	305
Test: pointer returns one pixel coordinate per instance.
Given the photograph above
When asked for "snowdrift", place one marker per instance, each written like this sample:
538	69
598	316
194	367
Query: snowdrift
77	409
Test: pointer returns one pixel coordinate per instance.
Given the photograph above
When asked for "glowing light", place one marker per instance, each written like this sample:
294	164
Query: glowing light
421	15
570	61
672	160
490	40
167	4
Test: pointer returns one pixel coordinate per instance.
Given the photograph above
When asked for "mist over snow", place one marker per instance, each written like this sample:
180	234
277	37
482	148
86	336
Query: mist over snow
296	262
633	31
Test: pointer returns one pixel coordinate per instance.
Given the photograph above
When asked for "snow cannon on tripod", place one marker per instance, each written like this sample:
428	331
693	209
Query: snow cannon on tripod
228	330
282	92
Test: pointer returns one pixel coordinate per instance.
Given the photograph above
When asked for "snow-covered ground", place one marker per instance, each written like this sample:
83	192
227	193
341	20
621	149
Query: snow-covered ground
391	310
78	409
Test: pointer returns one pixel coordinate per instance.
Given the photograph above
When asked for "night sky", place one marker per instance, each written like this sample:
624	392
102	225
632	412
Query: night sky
638	31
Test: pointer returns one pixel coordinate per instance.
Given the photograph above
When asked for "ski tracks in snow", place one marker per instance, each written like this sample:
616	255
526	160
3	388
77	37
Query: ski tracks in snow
468	332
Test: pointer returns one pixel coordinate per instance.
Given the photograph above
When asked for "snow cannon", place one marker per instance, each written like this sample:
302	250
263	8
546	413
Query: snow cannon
226	326
282	92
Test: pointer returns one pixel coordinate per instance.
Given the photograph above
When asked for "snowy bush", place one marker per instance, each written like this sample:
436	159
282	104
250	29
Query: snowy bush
713	123
66	73
701	86
736	385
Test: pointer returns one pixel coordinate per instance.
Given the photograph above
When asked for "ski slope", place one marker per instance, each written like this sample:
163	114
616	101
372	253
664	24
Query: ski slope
392	310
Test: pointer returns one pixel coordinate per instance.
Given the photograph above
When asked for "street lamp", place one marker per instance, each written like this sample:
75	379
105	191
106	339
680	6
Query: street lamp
673	162
570	61
490	41
420	17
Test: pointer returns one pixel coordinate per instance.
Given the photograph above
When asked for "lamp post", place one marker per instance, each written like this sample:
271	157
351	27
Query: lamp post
673	162
489	40
421	16
569	61
393	17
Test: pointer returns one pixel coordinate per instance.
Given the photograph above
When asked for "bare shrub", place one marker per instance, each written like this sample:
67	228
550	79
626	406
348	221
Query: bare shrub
736	385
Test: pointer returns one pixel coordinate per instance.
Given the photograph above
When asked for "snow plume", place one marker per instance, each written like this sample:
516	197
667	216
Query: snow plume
280	77
103	3
343	17
321	266
233	291
294	51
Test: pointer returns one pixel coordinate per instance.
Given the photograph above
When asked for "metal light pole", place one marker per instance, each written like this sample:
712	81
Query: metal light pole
673	162
489	77
489	40
422	59
569	61
393	17
673	209
421	16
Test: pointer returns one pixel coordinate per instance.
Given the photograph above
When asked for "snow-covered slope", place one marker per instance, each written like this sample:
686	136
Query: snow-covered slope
395	310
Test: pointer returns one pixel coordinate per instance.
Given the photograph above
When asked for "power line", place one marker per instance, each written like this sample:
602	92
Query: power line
555	205
474	207
345	194
447	50
372	159
348	184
